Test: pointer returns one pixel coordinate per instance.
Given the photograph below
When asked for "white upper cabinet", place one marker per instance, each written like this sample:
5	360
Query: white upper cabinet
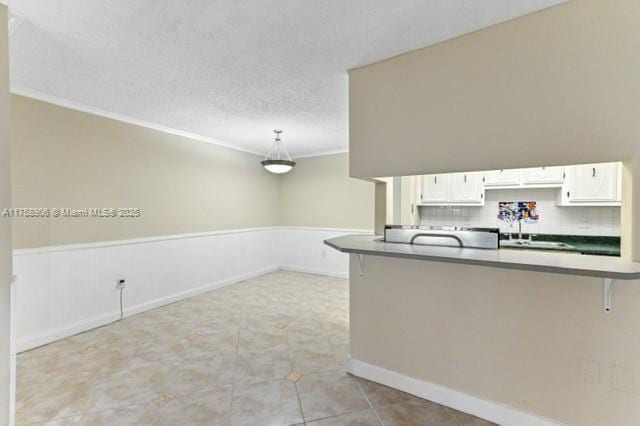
583	185
543	176
466	188
592	184
409	209
502	177
435	189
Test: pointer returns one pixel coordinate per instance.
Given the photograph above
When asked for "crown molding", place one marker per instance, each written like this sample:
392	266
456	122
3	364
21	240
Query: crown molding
77	106
323	153
20	90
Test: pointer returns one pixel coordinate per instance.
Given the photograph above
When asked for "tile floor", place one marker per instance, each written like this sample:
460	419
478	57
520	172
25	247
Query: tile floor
267	351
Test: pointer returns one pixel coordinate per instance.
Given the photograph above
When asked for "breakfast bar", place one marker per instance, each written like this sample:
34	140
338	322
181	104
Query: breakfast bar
607	268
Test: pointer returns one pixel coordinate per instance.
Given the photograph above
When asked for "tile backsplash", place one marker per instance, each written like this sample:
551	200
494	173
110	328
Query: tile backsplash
553	219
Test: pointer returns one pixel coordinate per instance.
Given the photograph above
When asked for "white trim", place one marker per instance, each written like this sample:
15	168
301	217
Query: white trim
311	228
20	90
103	244
17	89
324	153
66	331
98	321
12	354
143	307
488	410
301	259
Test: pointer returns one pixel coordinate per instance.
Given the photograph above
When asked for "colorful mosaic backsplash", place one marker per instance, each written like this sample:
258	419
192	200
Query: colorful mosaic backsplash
514	211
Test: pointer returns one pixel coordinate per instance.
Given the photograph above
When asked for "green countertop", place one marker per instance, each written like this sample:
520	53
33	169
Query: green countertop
603	246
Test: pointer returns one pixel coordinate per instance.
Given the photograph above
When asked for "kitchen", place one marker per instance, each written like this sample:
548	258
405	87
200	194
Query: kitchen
449	237
514	336
569	209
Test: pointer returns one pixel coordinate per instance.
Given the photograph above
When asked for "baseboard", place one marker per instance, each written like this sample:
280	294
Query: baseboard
104	319
336	274
66	331
147	306
488	410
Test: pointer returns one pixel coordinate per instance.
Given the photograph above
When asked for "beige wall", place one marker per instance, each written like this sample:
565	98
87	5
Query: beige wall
538	342
65	158
5	224
557	87
319	192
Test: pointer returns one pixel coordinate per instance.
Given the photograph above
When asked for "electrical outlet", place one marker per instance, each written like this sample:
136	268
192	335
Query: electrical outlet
120	283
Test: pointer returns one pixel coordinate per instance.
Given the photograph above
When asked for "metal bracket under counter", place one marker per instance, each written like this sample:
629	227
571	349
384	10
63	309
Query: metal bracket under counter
607	293
607	286
607	269
361	263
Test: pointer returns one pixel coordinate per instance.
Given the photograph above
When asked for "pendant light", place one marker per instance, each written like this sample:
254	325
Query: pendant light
274	162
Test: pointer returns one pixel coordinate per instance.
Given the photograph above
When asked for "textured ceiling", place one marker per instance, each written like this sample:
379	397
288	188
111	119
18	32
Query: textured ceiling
231	70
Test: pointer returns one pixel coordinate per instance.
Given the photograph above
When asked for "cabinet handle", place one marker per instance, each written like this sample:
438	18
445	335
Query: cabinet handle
411	208
568	194
594	172
544	167
465	178
435	179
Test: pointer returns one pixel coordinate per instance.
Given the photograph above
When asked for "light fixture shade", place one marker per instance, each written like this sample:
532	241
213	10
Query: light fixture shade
274	162
278	166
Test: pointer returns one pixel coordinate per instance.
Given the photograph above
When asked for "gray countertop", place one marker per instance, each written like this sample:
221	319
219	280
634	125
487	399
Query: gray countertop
559	263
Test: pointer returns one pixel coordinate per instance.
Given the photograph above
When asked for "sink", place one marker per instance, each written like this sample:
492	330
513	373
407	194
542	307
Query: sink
536	244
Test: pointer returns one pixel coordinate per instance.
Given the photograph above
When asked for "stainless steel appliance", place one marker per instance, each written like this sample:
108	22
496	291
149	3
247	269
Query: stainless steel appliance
486	238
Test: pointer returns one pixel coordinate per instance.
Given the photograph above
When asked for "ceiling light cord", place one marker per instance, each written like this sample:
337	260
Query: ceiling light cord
278	148
278	159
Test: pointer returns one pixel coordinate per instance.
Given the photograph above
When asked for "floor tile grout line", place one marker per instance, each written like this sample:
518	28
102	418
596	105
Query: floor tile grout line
304	418
243	310
369	402
295	384
235	369
446	409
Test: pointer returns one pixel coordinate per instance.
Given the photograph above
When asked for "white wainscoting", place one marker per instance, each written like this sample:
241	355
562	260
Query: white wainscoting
303	250
64	290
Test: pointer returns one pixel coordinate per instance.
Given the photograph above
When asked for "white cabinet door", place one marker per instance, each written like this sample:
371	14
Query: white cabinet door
466	188
543	175
409	209
435	189
502	177
591	183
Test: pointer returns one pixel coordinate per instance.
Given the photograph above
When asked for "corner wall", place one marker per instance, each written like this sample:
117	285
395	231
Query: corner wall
5	226
318	192
210	217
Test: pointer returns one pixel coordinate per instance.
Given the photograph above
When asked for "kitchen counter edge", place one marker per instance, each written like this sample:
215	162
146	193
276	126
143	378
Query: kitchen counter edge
559	263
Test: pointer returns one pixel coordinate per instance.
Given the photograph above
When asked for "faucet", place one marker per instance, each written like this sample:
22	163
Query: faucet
519	229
